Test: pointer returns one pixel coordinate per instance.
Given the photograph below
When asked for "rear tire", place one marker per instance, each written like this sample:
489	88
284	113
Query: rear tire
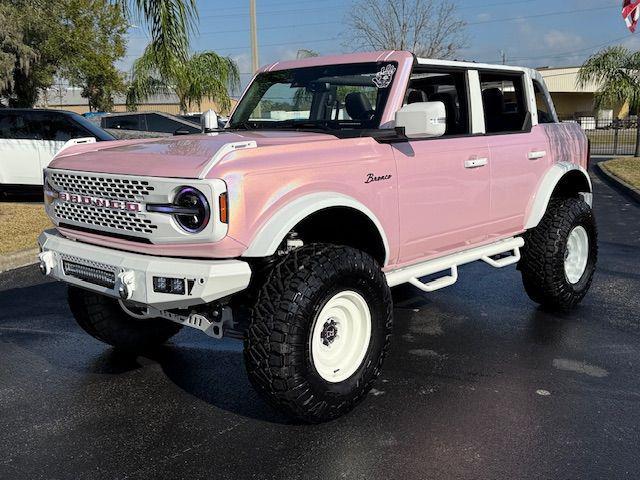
560	254
104	319
319	332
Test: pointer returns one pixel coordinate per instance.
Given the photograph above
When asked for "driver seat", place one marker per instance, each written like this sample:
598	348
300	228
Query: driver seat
358	106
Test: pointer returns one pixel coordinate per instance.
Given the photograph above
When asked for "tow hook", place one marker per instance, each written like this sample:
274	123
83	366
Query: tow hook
126	284
47	262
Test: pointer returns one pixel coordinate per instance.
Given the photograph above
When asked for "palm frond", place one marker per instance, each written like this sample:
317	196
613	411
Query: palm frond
211	76
615	71
169	22
203	75
146	79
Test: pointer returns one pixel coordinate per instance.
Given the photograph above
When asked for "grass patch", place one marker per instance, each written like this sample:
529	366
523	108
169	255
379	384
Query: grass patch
625	168
20	225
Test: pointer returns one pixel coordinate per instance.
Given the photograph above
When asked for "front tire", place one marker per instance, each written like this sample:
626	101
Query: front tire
559	255
319	332
104	319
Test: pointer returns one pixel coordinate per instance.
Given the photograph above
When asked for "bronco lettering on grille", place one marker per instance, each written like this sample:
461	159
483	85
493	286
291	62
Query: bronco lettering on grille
100	202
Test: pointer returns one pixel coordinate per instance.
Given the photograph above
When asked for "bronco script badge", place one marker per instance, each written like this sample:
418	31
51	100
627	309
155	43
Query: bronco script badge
372	178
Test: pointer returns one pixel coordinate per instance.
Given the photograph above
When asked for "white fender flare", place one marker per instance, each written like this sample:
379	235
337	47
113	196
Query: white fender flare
271	235
548	185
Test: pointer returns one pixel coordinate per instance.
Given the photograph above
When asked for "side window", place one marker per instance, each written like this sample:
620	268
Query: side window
14	126
542	104
58	127
159	123
449	88
123	122
504	100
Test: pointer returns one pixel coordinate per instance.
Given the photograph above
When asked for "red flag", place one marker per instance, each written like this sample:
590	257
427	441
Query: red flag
631	13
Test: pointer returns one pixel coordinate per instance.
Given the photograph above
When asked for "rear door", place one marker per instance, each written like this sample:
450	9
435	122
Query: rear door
443	183
19	150
519	152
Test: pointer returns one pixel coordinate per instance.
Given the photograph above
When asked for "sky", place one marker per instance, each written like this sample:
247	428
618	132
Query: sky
531	32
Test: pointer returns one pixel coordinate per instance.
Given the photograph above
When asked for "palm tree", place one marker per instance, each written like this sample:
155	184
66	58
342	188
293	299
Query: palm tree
306	53
199	76
169	22
616	72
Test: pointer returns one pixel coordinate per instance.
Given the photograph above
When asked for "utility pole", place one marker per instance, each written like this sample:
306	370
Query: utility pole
503	54
255	62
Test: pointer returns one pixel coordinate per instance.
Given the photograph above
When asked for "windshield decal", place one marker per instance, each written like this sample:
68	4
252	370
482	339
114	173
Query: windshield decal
384	77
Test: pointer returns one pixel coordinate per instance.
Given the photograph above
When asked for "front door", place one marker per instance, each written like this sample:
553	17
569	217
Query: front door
443	183
19	150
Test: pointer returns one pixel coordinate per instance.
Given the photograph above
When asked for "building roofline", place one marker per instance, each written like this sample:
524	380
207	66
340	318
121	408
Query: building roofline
542	69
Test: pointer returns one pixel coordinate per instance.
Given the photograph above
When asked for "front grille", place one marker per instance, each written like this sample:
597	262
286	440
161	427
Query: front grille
101	186
94	231
103	217
90	274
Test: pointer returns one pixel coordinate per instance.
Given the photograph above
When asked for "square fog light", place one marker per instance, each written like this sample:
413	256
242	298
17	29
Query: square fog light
174	286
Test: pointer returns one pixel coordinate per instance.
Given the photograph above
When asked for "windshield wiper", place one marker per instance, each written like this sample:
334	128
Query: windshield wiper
246	125
321	124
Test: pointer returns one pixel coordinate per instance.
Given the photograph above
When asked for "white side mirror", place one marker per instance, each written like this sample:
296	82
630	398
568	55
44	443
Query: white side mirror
209	121
422	119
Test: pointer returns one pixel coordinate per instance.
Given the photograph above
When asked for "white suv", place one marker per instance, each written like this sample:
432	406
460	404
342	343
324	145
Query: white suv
30	138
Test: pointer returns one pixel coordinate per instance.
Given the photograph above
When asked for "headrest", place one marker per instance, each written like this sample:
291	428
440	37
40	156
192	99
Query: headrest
358	106
493	99
416	96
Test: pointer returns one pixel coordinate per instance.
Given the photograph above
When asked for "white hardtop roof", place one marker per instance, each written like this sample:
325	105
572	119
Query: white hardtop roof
532	72
473	65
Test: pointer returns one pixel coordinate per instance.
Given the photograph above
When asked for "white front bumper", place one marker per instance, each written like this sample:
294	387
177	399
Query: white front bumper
209	279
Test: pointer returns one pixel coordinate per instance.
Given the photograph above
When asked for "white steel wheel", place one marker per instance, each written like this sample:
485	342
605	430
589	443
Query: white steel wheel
340	336
576	255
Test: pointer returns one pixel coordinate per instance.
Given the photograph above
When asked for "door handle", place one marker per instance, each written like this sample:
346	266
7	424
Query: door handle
535	155
476	162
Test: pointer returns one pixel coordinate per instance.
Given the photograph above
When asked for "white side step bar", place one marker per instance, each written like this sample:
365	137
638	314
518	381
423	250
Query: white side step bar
451	263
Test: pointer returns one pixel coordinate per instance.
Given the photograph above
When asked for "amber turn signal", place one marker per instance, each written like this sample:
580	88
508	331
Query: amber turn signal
224	208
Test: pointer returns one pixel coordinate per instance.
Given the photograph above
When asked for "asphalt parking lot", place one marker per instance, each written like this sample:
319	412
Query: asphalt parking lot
480	384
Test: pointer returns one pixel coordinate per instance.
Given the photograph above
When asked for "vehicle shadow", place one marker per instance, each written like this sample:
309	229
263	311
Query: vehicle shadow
22	196
216	377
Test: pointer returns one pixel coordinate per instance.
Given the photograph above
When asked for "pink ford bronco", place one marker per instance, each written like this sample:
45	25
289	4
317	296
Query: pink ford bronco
335	179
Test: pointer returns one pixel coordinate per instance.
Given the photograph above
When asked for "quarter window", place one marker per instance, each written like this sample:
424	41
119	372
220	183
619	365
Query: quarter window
504	101
545	114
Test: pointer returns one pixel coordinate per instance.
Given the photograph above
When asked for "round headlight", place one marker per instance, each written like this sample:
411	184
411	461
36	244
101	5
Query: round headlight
194	210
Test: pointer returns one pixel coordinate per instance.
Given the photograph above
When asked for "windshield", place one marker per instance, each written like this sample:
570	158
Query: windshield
96	131
322	98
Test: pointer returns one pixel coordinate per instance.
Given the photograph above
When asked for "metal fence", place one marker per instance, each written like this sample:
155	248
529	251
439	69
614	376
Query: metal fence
609	136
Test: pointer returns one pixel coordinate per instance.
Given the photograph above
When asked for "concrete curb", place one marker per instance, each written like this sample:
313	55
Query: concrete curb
18	259
619	184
